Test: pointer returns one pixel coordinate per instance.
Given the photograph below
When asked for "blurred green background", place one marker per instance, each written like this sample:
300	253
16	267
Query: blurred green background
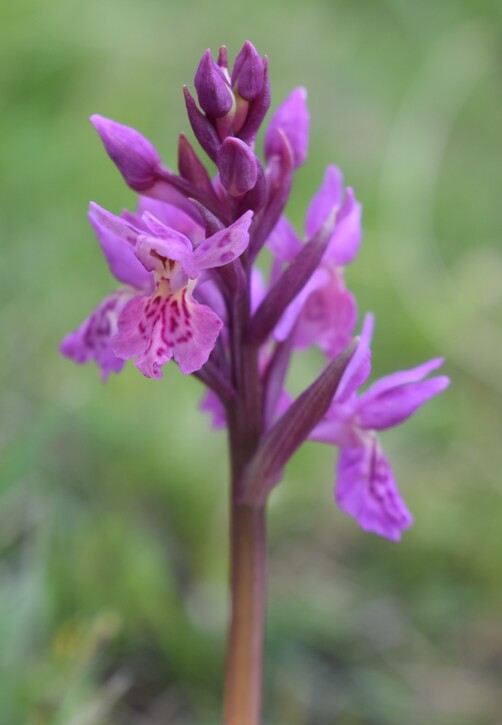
113	532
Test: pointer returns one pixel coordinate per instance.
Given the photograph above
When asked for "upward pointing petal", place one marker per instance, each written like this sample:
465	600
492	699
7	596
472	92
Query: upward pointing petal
329	195
359	368
224	246
292	119
118	249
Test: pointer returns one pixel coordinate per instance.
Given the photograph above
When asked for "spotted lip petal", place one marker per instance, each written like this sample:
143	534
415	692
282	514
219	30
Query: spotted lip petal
366	489
155	329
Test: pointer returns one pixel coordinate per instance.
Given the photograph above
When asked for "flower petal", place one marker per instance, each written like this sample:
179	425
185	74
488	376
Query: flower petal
329	195
397	404
93	339
155	329
283	241
292	118
359	368
116	225
211	404
119	254
328	317
366	489
171	216
293	311
224	246
172	246
346	239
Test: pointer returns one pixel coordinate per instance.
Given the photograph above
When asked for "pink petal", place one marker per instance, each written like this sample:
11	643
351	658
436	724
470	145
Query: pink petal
346	239
294	310
211	404
93	339
171	216
173	246
283	241
119	254
403	377
158	328
224	246
118	226
330	195
328	317
359	368
366	489
292	118
397	404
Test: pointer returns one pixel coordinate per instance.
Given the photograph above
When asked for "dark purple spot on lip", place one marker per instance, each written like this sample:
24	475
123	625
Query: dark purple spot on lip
175	308
160	351
222	243
173	324
185	307
226	257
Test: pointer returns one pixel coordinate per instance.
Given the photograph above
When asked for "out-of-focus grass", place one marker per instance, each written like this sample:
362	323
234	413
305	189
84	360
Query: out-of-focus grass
113	498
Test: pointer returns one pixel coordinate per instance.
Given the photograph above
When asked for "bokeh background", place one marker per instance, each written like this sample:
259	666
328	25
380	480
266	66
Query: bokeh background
113	497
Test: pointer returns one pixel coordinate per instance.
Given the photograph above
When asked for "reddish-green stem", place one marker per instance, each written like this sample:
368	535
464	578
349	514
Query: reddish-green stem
243	683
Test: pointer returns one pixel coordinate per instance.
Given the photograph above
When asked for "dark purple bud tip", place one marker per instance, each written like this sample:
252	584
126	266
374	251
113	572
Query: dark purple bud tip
222	57
238	166
247	76
213	90
136	158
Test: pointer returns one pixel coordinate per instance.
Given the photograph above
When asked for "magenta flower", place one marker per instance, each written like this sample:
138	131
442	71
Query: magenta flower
324	313
366	488
164	320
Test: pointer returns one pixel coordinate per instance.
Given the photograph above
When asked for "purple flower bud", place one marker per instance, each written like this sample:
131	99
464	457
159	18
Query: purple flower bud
238	166
256	198
292	118
136	158
250	123
247	76
201	126
191	167
213	91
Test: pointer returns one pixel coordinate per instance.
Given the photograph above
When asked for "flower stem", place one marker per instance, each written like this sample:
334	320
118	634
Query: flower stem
243	683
